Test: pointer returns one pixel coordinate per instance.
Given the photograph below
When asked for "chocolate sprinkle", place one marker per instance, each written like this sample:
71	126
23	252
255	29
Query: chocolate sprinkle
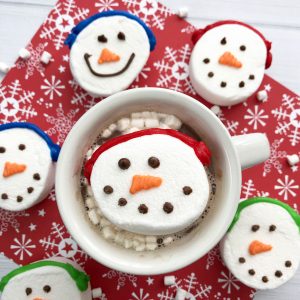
47	288
159	241
36	176
2	149
243	48
143	209
288	263
242	260
187	190
4	196
102	38
254	228
153	162
108	189
223	41
30	190
22	147
278	273
168	207
124	163
121	36
251	77
272	228
223	84
241	84
210	74
19	198
265	279
122	202
28	291
206	60
251	272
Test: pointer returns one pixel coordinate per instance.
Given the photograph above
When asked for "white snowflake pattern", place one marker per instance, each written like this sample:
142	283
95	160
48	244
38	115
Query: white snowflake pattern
34	62
141	295
231	125
22	247
173	69
188	29
228	282
286	187
191	285
15	103
59	243
288	117
150	11
105	5
121	278
61	20
62	123
9	219
212	256
274	159
52	87
256	117
249	190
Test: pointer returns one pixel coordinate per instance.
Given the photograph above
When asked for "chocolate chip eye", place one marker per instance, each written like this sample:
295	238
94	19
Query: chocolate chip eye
242	260
210	74
288	263
122	202
206	60
47	288
168	207
2	149
272	228
143	209
223	84
254	228
22	147
251	77
223	41
28	291
4	196
241	84
153	162
265	279
121	36
243	48
36	176
102	38
108	189
124	163
19	198
187	190
251	272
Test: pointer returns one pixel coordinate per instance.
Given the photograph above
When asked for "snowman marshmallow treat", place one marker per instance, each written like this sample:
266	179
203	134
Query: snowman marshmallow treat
228	62
108	51
262	246
150	182
46	280
27	165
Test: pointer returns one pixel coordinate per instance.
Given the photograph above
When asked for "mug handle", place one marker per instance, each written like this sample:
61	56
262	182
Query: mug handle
252	149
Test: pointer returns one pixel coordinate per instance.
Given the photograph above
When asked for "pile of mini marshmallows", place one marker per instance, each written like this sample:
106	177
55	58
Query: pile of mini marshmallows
137	121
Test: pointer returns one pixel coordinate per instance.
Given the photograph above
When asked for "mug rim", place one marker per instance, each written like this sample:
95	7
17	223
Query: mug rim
113	102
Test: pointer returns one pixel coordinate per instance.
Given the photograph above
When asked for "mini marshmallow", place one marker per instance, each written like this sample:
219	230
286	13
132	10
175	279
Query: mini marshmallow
168	240
151	239
138	123
106	133
135	244
89	202
163	126
119	238
161	116
97	293
4	68
216	109
123	124
180	294
262	96
131	129
136	115
151	246
127	243
169	280
146	114
140	247
108	233
293	159
151	123
24	54
46	57
93	216
139	238
104	222
113	127
173	122
183	12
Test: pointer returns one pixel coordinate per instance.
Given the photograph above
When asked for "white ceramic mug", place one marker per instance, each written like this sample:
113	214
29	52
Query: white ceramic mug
229	156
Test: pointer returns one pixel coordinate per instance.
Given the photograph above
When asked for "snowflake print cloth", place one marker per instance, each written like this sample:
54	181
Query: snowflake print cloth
48	96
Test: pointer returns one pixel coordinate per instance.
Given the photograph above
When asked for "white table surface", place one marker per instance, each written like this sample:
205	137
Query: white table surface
278	19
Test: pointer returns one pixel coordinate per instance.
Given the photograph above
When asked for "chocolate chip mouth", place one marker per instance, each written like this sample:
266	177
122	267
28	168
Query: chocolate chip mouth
87	60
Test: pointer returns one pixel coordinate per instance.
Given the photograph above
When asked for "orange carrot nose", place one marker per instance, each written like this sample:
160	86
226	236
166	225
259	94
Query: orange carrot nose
228	59
140	183
12	169
257	247
107	56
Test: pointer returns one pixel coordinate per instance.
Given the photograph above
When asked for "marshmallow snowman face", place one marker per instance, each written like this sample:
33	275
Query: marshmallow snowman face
26	169
227	64
108	55
44	283
263	248
152	184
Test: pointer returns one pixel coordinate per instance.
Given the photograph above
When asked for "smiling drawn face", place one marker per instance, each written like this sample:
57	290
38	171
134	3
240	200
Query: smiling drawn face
152	184
263	247
26	169
227	64
109	54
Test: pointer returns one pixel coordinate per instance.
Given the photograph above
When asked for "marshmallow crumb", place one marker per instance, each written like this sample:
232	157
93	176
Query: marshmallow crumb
169	280
216	109
180	294
46	57
93	216
97	293
293	159
123	124
24	54
262	96
4	68
183	12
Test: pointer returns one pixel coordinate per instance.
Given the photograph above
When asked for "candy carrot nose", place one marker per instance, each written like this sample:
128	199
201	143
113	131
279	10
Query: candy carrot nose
228	59
140	183
107	56
257	247
12	169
